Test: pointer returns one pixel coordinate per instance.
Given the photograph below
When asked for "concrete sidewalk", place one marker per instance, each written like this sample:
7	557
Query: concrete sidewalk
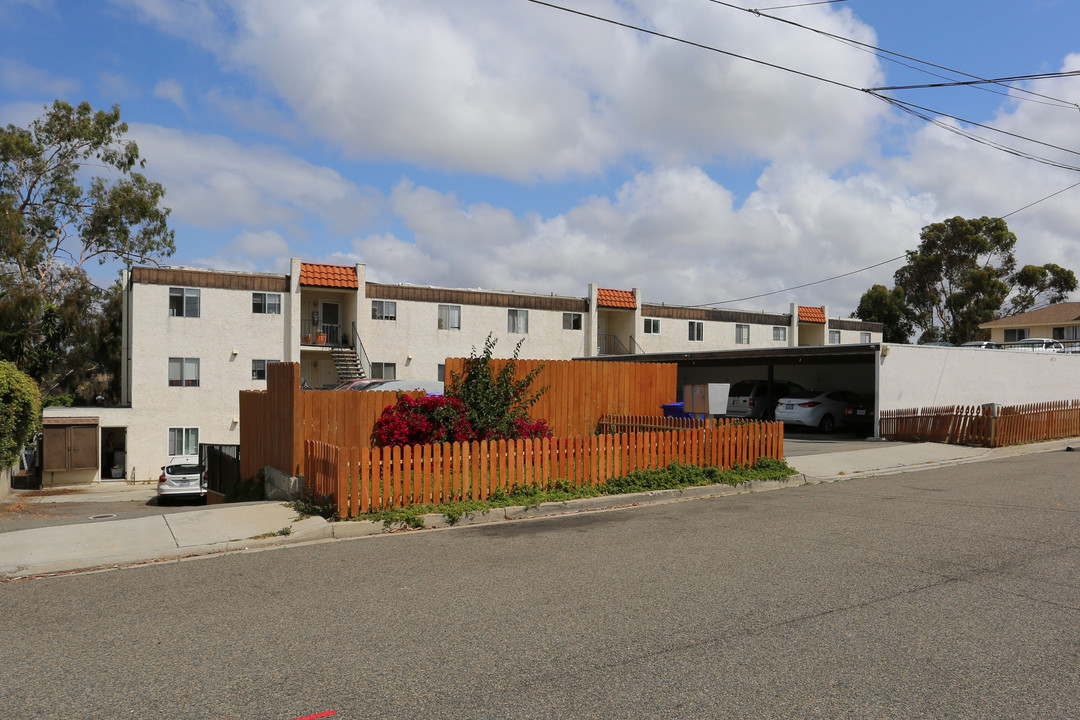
223	528
219	528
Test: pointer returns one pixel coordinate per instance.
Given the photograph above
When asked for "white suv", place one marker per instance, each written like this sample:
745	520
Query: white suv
1037	345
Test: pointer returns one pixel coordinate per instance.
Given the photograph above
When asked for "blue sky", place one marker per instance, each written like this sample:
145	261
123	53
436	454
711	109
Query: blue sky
507	145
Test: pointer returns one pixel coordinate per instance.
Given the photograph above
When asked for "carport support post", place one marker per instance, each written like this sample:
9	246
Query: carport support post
770	411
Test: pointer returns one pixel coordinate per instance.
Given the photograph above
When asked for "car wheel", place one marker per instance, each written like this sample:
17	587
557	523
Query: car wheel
827	424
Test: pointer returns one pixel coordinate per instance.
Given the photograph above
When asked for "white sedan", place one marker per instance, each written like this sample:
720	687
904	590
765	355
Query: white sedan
825	410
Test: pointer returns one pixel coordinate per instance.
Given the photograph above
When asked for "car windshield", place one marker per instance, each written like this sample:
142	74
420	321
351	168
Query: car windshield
744	387
183	469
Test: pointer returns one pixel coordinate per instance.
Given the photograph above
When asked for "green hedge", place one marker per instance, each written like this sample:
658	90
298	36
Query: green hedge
20	412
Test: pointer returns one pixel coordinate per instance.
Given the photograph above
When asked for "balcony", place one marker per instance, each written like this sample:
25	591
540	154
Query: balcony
321	334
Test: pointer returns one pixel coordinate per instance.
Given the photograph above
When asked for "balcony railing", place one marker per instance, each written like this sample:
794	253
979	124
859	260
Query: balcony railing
610	345
320	334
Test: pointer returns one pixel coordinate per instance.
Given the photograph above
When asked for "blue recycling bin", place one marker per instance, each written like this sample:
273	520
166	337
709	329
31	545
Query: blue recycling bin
674	410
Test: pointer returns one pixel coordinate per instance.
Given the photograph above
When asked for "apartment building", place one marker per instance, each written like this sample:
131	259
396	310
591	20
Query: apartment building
193	339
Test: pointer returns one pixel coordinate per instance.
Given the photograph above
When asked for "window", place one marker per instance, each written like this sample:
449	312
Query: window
266	303
742	334
517	321
780	334
383	310
183	372
183	441
864	338
696	331
383	371
1071	332
258	368
440	373
1017	334
571	321
834	337
183	302
652	326
449	317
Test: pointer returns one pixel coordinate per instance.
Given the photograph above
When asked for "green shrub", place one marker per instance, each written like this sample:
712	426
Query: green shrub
323	506
497	405
246	490
20	412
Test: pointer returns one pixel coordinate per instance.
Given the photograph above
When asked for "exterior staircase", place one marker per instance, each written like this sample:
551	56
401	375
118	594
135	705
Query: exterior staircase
347	363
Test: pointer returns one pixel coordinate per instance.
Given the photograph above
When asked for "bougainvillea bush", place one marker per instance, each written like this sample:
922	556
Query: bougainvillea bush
422	420
440	418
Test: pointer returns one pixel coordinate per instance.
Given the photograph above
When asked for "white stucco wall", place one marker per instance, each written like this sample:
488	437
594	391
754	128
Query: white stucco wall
919	376
225	337
415	332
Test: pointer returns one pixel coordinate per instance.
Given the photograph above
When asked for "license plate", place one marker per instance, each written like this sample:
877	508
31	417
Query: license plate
789	406
182	482
860	412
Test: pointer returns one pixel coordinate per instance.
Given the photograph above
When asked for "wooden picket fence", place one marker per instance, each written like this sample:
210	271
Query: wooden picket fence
363	479
276	422
983	425
645	423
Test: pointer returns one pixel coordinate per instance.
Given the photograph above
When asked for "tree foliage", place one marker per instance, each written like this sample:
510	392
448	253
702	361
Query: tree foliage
888	307
498	403
70	193
20	412
960	276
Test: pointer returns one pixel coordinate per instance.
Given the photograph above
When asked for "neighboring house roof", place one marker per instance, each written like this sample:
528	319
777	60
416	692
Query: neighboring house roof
615	299
1059	314
336	276
811	314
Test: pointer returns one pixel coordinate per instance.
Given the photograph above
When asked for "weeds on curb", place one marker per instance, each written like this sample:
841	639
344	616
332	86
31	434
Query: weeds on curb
673	477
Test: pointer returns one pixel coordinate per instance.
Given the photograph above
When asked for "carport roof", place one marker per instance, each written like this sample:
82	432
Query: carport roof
810	355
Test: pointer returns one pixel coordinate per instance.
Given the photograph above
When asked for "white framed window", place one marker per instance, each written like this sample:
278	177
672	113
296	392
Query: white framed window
1017	334
183	441
864	338
383	371
383	310
517	321
266	303
696	331
258	368
183	372
834	337
571	321
183	302
779	333
449	317
742	334
440	372
652	326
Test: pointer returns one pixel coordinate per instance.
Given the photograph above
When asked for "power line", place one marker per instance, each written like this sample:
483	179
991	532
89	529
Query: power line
909	108
870	267
890	56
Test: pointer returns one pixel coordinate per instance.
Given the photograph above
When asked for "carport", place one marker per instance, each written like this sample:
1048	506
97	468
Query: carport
826	367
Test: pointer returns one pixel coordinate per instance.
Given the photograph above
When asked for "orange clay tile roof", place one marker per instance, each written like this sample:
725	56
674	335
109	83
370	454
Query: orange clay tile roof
615	299
336	276
1062	313
811	314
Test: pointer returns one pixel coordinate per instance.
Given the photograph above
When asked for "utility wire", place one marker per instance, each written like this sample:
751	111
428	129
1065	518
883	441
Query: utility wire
889	55
868	267
785	7
910	108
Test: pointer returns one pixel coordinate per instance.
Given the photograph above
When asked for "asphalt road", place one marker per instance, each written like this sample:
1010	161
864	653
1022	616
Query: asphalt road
945	593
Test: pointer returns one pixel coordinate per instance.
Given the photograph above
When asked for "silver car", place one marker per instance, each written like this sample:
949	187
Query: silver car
183	476
751	398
